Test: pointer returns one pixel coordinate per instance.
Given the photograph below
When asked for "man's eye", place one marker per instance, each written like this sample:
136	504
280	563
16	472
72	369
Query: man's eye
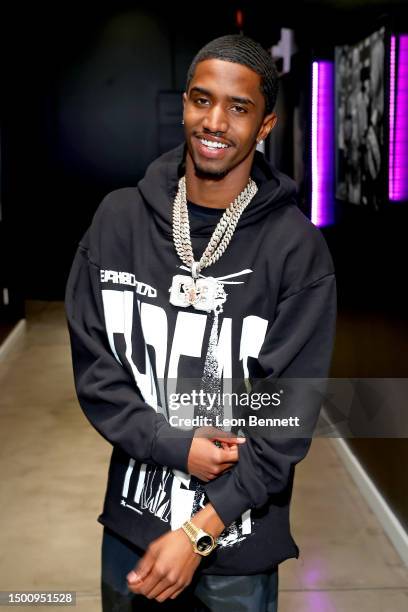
240	109
199	100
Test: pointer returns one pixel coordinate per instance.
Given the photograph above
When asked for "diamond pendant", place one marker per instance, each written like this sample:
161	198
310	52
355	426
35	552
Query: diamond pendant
203	294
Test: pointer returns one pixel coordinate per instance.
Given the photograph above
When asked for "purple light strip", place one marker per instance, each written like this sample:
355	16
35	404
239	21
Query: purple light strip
398	158
392	122
315	164
322	212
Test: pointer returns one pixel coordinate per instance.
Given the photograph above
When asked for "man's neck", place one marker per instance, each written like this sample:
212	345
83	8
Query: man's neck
215	193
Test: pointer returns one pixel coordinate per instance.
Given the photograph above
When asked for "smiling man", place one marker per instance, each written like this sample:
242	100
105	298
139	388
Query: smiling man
222	128
241	286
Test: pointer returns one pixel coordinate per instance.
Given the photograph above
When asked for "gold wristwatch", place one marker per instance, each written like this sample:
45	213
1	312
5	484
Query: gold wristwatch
203	542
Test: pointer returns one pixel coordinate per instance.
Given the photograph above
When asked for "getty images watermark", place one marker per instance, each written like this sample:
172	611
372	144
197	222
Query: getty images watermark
286	407
211	401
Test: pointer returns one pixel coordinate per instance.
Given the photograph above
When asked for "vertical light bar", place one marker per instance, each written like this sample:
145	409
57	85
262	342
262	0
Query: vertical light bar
391	155
398	158
322	212
315	166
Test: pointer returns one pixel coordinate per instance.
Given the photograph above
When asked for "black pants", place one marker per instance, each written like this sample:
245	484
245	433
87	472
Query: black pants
256	593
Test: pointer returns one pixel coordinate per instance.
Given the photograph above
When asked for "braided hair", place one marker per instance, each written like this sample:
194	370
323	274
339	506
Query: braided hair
241	49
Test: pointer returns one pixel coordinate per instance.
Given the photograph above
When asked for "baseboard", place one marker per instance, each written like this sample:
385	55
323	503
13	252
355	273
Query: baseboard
13	339
389	522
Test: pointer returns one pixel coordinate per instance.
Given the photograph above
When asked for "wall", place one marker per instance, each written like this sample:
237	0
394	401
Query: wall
372	333
79	113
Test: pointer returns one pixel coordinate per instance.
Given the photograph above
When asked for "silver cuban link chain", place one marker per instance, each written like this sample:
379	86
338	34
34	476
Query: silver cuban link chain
222	234
203	293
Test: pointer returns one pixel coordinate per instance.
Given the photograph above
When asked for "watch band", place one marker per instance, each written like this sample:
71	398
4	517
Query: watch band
191	530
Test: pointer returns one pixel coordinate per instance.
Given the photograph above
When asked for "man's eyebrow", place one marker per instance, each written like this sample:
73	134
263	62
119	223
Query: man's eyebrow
233	98
242	100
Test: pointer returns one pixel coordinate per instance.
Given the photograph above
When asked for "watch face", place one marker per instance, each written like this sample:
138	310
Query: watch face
204	543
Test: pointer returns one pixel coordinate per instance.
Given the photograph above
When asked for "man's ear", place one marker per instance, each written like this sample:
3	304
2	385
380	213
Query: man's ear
184	99
268	124
271	120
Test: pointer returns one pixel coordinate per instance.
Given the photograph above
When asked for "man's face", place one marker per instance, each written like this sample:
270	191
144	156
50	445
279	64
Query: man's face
224	105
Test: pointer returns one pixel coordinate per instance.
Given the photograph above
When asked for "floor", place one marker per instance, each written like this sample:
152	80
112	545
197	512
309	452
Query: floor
53	470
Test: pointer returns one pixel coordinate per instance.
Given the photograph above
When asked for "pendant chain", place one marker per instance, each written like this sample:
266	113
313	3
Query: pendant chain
222	234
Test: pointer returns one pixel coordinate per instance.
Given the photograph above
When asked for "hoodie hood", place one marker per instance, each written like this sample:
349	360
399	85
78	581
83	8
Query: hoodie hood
159	187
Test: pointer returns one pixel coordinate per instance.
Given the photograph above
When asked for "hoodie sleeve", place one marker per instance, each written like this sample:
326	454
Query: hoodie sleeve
298	344
106	391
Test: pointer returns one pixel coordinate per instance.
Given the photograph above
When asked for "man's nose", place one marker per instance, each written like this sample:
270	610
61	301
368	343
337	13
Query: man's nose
215	120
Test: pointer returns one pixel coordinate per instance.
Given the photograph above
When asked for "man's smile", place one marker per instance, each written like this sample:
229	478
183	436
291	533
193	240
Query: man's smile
210	147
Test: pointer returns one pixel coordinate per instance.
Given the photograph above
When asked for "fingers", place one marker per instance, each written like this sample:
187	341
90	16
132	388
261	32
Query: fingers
226	466
170	593
227	438
220	469
228	455
175	594
234	440
137	578
163	585
214	433
222	460
216	471
145	565
207	461
229	442
166	586
150	583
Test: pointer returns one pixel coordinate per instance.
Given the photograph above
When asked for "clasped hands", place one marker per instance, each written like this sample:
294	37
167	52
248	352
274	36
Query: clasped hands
169	563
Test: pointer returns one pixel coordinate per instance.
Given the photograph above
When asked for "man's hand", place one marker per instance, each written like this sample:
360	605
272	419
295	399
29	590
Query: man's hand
206	460
166	568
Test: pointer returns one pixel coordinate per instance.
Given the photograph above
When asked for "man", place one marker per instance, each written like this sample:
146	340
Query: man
156	299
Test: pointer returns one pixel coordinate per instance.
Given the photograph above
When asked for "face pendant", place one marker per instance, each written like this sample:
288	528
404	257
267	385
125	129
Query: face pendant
203	294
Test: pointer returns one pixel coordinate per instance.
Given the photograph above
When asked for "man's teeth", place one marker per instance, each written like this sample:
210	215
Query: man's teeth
213	145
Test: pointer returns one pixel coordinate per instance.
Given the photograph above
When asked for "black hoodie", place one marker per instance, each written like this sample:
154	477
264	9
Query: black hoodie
278	320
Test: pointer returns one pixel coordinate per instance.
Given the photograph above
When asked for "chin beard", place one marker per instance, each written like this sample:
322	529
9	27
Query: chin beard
210	174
